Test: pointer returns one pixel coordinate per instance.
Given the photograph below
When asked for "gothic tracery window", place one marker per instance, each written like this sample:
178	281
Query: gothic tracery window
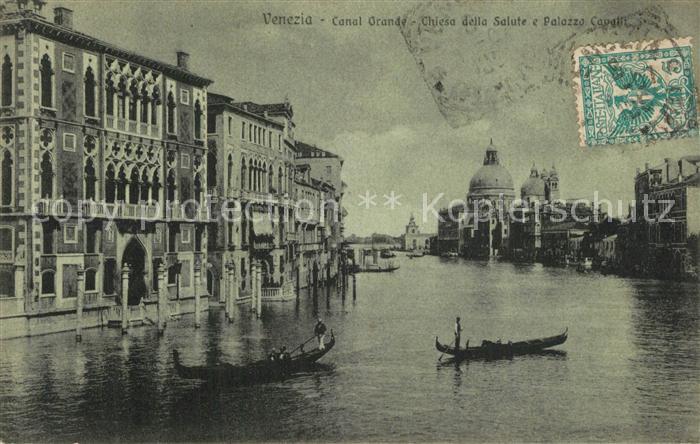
121	99
6	178
171	185
155	101
46	72
145	104
145	185
90	180
121	185
109	94
46	176
155	187
133	100
90	84
111	185
197	120
6	81
171	113
134	186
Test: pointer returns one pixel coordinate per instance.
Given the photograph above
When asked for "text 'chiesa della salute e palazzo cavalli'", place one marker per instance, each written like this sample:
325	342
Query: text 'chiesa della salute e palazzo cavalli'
130	193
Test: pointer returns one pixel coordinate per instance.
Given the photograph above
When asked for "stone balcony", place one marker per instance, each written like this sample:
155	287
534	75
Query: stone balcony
281	293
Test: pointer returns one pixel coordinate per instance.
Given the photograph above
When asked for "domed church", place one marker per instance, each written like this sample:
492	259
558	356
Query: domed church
491	187
541	187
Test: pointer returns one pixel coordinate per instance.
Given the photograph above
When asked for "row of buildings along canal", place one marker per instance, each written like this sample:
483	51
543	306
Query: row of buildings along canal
129	192
658	238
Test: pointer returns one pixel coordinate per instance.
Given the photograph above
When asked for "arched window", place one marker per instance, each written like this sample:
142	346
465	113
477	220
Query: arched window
109	94
229	172
243	174
197	120
270	179
6	81
134	186
154	105
279	180
121	99
6	179
133	100
145	186
155	187
242	130
91	279
251	174
171	113
46	176
90	179
111	185
145	104
121	185
198	188
171	185
211	167
46	82
48	282
90	93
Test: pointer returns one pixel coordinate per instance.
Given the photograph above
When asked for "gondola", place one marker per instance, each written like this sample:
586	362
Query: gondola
494	350
258	372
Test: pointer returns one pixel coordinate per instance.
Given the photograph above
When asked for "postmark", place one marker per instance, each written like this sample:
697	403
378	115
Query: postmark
635	92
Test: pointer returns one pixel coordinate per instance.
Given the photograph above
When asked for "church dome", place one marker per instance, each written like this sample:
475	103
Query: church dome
491	178
533	187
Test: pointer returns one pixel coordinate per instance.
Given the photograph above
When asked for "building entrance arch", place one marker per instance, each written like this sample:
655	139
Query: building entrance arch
135	257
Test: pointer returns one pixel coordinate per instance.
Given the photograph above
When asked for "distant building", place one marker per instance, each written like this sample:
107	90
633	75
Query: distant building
448	237
666	232
490	195
414	240
540	189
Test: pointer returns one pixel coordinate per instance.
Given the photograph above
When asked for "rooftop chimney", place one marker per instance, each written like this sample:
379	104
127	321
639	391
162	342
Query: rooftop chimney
63	17
183	60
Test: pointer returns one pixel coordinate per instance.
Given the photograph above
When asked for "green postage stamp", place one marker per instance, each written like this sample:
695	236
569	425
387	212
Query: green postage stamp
635	92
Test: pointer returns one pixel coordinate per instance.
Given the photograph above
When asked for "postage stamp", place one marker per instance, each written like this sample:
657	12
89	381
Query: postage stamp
635	92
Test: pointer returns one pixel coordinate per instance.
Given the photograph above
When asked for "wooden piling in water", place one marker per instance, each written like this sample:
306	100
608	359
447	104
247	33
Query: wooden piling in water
197	278
125	299
79	305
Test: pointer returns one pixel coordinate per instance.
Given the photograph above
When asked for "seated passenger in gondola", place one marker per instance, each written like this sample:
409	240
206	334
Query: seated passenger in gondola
273	355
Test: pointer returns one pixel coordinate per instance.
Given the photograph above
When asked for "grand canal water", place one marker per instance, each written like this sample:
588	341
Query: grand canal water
630	371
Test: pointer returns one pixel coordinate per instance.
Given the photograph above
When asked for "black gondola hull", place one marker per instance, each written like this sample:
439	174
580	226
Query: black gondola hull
258	372
492	350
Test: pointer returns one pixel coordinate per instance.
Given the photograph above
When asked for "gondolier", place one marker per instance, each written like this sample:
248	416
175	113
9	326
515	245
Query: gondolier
320	332
458	333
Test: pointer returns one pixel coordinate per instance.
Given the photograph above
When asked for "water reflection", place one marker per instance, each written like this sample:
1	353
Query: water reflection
629	370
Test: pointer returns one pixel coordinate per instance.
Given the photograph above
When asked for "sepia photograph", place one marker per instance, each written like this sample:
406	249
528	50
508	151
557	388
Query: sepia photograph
349	221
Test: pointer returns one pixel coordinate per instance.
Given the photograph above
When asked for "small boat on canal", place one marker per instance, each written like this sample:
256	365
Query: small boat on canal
496	350
377	268
387	254
258	372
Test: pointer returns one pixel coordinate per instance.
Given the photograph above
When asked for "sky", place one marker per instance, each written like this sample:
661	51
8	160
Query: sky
368	93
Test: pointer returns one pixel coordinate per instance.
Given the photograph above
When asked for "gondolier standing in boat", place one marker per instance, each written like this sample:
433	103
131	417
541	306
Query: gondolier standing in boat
458	333
320	332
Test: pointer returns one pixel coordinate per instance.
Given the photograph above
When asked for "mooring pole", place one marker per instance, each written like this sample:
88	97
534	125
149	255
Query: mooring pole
258	289
79	305
125	298
162	289
197	278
